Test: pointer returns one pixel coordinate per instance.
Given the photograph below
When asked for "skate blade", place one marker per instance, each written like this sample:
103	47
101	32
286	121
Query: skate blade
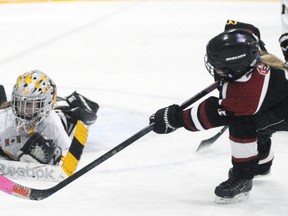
239	198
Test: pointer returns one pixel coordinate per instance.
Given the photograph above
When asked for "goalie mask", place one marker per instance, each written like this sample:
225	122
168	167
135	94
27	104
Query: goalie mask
33	97
232	54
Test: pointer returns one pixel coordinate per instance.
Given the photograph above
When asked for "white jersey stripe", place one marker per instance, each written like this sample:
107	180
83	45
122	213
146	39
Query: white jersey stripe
264	91
195	119
224	90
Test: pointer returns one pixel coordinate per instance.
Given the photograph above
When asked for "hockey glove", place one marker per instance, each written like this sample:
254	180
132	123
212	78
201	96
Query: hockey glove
39	149
167	120
76	107
81	108
284	45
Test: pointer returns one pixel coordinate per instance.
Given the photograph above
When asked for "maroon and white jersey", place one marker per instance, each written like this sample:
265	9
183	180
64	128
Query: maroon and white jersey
246	95
255	93
240	101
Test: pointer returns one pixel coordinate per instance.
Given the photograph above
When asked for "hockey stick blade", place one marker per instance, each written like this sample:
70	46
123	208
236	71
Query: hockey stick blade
207	142
15	189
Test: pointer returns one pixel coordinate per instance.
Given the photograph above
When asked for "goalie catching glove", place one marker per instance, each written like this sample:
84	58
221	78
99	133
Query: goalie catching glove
40	149
76	107
167	120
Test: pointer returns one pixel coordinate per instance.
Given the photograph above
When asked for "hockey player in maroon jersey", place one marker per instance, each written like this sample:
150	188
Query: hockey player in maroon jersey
253	101
265	154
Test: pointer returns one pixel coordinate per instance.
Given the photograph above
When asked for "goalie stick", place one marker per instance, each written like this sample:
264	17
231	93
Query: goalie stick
15	189
207	142
46	172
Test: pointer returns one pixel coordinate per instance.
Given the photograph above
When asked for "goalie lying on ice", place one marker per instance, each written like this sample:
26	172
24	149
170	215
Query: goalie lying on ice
36	124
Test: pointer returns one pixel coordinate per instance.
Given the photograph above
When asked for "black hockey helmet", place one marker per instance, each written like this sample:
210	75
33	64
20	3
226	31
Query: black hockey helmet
233	24
232	54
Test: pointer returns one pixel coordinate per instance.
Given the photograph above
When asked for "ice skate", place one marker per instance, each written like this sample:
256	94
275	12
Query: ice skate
233	190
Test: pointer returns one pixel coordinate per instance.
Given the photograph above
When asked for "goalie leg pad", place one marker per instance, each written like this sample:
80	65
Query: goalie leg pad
76	149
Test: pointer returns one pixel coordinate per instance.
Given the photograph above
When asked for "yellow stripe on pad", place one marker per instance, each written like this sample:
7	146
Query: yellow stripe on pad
76	149
81	132
69	165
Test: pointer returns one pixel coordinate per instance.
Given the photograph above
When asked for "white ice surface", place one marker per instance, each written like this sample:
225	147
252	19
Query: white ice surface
134	57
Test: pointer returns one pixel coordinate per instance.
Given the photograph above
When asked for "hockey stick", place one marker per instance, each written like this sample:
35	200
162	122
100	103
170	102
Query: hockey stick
15	189
207	142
